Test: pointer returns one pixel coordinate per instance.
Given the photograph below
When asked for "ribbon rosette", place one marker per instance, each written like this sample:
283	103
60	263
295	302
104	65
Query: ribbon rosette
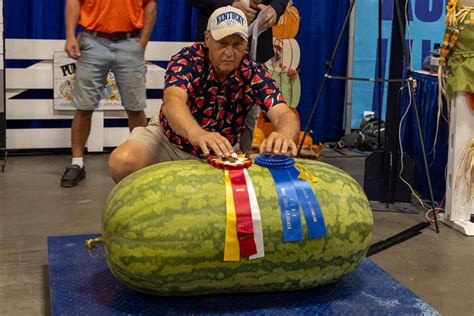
293	193
244	235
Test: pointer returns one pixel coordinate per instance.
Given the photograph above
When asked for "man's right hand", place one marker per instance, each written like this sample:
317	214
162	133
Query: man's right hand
250	13
208	141
72	48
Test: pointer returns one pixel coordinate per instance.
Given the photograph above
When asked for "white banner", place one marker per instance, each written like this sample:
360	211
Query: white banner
64	73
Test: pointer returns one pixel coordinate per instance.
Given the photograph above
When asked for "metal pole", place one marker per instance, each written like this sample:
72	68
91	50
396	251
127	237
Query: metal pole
415	108
350	73
379	74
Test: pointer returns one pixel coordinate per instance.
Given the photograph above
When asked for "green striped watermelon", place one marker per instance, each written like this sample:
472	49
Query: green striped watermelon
164	226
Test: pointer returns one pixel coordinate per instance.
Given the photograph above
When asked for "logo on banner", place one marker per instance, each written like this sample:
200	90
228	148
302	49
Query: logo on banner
64	75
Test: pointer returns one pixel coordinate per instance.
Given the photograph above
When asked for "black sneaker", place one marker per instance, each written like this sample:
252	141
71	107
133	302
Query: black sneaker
72	176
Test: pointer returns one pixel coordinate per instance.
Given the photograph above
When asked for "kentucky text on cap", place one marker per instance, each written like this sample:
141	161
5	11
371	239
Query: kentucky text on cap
227	21
230	17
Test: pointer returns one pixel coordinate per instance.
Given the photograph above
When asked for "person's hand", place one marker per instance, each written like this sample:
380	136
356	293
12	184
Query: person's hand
72	48
250	13
278	143
270	18
208	141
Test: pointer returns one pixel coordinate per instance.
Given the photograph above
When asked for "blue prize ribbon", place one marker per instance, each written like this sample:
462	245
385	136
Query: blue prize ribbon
287	196
310	205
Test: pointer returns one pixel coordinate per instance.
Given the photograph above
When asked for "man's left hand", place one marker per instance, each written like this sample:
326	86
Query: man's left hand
277	143
270	19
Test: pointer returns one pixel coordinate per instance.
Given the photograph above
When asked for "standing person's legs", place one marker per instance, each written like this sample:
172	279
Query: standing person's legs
129	70
91	72
80	129
136	119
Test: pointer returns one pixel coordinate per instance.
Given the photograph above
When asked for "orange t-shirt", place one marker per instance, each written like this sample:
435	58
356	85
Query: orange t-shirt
110	16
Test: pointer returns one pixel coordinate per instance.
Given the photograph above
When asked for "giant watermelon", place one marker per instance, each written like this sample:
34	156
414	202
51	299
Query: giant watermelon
163	231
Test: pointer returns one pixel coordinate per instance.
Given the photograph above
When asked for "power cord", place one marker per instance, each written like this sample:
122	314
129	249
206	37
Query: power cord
425	206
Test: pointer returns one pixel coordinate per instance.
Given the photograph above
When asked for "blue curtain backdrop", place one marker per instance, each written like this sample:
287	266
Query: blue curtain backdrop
44	19
320	23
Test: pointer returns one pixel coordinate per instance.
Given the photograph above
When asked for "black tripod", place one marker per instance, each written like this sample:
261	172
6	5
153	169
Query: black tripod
383	183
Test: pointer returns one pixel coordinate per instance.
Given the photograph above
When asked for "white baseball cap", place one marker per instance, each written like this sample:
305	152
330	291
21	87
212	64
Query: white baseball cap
227	21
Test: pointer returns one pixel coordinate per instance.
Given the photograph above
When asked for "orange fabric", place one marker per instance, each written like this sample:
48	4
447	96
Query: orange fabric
266	126
470	97
110	16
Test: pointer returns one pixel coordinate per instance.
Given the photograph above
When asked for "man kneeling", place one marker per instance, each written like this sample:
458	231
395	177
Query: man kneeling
210	87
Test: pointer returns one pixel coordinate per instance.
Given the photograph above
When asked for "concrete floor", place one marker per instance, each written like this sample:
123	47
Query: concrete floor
437	267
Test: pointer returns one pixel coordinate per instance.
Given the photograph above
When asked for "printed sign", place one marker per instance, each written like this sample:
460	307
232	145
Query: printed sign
64	74
424	29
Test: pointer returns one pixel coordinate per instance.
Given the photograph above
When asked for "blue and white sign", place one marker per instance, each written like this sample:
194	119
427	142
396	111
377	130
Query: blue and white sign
426	27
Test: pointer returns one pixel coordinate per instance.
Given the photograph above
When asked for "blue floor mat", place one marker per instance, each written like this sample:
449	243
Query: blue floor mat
82	284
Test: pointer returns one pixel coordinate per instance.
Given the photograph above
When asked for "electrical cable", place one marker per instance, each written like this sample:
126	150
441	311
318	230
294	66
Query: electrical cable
401	148
411	96
423	204
411	54
429	214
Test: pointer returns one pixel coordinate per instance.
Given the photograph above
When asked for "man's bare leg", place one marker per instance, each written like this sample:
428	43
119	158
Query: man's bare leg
129	157
80	130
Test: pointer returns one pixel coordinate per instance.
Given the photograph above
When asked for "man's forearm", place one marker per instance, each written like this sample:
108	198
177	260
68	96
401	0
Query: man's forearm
149	20
71	16
180	119
288	125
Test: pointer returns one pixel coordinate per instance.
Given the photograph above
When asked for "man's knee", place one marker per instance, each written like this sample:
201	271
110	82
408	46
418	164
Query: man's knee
123	162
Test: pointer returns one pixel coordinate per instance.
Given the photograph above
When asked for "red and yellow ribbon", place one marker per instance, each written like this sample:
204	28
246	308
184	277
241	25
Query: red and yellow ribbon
231	249
242	212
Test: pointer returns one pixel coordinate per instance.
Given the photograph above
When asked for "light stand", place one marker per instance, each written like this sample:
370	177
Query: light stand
382	182
329	64
411	86
382	168
326	77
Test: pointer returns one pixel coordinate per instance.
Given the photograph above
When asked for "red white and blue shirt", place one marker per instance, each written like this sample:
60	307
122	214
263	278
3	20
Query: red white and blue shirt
218	107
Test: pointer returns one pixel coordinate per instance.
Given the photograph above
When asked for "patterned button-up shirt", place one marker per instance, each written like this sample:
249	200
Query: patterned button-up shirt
218	107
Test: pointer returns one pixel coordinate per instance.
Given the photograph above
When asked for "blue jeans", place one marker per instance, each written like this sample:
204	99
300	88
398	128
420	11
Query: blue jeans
126	59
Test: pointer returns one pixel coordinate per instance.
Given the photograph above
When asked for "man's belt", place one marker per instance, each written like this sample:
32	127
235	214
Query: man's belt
116	36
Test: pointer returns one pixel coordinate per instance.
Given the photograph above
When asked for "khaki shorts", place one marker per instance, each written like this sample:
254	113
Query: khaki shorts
154	139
